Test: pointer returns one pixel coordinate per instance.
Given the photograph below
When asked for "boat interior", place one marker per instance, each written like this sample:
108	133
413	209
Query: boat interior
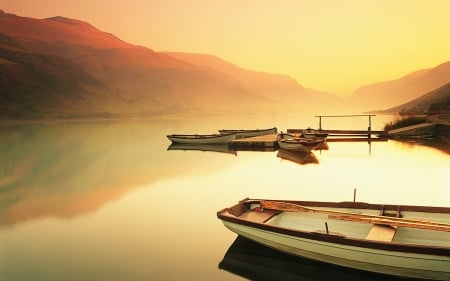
347	222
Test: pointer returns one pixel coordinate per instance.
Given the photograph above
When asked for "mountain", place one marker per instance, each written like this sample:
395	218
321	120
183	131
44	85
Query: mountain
279	89
60	67
436	101
391	93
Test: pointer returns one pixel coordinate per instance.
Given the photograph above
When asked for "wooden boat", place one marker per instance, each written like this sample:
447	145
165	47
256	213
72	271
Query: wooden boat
311	133
254	261
298	156
404	241
201	139
249	133
219	147
294	142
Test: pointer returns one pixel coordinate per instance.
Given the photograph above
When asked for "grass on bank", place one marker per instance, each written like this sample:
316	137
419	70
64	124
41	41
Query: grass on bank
404	122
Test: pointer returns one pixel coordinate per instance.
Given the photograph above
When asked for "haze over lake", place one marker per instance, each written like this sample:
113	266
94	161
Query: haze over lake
106	200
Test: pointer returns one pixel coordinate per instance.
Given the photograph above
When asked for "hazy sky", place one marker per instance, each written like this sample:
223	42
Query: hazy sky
328	45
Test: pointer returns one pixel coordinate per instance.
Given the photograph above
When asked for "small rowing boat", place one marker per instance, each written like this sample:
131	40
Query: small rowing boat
294	142
201	139
400	240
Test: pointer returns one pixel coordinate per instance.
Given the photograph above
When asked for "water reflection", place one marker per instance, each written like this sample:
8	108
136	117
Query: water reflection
222	148
427	143
256	262
67	169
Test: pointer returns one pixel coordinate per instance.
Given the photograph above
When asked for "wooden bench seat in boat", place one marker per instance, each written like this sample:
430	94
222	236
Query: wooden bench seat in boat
380	232
259	215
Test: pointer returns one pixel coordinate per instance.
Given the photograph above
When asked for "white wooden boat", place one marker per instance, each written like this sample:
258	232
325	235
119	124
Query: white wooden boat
201	139
249	133
404	241
294	142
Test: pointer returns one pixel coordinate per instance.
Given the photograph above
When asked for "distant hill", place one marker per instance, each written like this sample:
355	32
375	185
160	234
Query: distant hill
391	93
59	67
281	90
436	101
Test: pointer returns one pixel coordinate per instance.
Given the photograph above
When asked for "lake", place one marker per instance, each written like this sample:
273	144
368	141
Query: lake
106	200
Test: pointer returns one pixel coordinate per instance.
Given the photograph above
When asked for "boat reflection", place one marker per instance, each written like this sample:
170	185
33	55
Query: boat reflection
222	148
301	157
322	146
253	261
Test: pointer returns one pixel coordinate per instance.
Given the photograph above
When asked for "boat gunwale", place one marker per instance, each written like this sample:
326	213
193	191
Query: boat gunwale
233	131
347	241
199	136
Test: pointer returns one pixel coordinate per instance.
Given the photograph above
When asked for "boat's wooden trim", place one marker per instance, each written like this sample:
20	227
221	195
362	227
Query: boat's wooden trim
392	221
257	215
232	131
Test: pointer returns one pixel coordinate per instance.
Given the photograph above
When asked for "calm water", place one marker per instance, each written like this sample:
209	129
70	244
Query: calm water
108	201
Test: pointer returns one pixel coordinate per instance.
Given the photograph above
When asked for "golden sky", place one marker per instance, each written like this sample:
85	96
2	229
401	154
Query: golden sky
329	45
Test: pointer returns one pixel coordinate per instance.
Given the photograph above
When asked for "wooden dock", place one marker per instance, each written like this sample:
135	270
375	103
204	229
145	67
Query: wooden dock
269	142
342	133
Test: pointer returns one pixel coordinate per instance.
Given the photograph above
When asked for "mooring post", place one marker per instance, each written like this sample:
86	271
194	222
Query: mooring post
370	128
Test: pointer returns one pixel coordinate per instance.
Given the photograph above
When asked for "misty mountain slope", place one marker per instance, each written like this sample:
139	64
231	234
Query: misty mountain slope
434	101
277	88
134	79
33	85
399	91
254	81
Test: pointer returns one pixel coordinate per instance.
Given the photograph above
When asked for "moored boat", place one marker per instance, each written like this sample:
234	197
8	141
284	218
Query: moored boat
201	139
405	241
293	142
249	133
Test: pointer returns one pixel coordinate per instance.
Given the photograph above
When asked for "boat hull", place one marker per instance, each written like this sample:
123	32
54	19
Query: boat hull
385	262
202	139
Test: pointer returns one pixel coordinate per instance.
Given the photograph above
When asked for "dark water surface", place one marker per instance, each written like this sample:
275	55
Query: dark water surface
107	200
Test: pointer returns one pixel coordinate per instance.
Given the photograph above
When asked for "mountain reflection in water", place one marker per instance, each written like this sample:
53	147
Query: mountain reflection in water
67	169
253	261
